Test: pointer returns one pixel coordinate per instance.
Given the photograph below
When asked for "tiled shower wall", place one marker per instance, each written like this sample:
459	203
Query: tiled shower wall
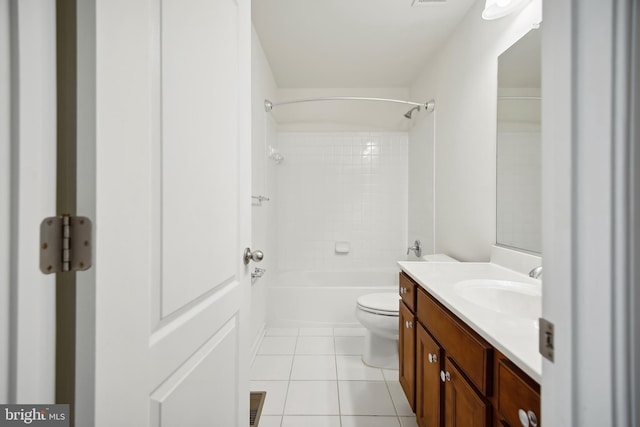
346	189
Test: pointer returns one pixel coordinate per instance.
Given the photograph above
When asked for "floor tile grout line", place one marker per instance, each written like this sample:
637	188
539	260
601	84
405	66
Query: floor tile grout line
393	402
335	358
286	394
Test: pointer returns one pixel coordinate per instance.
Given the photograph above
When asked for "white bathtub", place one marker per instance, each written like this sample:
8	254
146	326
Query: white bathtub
299	299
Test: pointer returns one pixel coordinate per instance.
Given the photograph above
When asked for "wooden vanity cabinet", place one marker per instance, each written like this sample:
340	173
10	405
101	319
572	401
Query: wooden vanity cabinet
451	375
517	400
465	369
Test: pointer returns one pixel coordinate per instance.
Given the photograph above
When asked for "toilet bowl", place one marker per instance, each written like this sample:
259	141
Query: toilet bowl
378	313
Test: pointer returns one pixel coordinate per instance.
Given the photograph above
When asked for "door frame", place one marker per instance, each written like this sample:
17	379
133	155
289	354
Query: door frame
5	197
590	195
29	322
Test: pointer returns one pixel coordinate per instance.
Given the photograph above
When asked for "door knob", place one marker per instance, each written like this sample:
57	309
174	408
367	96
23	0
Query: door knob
255	256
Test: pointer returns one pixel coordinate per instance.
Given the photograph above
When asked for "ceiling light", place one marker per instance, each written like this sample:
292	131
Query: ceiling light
494	9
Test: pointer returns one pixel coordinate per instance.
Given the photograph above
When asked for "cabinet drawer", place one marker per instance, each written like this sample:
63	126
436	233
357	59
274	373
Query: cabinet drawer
472	354
407	291
516	392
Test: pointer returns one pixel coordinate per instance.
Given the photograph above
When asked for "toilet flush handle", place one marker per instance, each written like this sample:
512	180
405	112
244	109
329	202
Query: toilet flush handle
416	248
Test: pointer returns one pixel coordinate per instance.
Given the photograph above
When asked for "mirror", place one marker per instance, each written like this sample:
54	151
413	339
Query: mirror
518	173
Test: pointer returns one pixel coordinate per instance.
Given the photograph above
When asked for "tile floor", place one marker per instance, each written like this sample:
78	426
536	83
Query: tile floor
314	377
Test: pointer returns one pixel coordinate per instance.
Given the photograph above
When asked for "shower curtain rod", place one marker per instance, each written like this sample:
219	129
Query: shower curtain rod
429	105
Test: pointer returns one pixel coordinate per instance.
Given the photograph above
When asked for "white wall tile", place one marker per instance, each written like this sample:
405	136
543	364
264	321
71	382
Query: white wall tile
349	186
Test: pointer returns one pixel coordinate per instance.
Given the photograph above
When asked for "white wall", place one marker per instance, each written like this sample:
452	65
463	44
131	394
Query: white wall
342	187
263	182
462	78
5	198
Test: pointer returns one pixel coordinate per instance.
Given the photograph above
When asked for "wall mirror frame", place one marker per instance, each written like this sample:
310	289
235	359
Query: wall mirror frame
518	146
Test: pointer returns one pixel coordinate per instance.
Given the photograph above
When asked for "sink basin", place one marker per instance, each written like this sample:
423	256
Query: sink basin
503	296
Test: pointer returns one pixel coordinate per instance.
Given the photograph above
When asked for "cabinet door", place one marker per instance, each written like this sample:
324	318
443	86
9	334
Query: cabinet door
428	384
407	356
518	396
464	407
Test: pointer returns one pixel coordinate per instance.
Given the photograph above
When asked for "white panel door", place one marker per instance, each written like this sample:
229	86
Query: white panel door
164	168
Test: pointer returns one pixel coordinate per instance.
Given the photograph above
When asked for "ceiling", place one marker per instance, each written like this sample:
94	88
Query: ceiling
352	43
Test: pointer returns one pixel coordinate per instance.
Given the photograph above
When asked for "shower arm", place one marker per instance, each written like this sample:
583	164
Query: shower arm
429	105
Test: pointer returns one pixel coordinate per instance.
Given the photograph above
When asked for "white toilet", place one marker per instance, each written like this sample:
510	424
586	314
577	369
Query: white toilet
379	314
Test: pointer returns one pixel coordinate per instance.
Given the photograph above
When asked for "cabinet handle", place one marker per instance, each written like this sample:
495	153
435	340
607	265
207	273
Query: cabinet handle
433	358
527	418
445	376
533	420
408	324
523	417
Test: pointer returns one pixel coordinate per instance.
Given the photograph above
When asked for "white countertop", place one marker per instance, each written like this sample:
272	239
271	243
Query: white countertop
514	336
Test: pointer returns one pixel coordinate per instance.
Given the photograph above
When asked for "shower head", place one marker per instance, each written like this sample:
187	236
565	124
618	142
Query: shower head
410	112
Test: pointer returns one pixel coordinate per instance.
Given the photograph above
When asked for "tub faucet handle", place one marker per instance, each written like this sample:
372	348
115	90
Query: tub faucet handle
417	248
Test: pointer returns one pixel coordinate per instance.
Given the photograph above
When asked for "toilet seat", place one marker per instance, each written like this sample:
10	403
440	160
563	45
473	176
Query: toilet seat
384	304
